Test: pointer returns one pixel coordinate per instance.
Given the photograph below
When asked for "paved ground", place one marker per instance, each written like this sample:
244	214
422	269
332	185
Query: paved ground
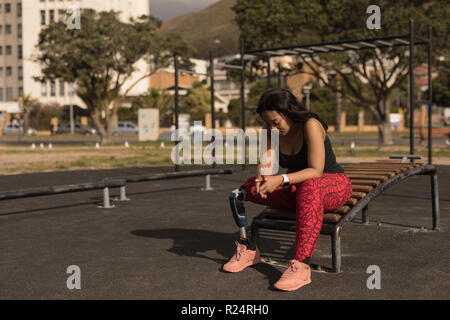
170	241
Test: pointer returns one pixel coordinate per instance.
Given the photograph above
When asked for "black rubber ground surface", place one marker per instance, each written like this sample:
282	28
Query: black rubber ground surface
171	239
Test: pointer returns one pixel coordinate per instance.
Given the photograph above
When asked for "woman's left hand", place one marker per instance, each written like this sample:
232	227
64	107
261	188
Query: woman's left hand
269	184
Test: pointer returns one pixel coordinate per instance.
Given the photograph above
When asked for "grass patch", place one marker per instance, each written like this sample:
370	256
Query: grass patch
151	154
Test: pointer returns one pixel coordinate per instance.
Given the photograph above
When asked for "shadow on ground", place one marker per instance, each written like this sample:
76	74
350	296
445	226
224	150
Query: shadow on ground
192	243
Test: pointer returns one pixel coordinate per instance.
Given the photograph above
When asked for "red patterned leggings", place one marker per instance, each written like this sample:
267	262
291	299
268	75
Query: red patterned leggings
310	199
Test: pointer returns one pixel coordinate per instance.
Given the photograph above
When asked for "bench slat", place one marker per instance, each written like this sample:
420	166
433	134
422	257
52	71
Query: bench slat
373	183
384	164
352	201
398	161
367	176
389	173
341	210
399	170
392	165
360	188
331	217
376	168
358	195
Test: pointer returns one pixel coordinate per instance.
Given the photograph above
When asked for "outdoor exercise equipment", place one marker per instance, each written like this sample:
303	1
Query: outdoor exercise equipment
369	179
409	40
113	182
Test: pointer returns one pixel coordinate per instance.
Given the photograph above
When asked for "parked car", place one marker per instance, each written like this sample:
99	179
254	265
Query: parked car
78	128
125	127
197	128
15	129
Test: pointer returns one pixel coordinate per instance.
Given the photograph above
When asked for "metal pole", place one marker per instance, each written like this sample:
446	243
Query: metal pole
435	201
411	87
176	111
123	194
213	114
208	184
72	126
106	202
243	94
430	96
268	72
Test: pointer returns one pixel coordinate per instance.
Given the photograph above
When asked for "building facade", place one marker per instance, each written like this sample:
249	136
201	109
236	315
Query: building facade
20	24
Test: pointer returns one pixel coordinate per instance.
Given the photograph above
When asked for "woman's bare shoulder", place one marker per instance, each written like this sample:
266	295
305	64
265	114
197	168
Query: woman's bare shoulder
314	126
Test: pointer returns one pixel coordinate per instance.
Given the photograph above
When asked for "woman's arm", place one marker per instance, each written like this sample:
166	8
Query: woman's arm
265	167
314	137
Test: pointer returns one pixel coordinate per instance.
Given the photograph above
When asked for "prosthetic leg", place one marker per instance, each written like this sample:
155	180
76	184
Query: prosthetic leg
237	198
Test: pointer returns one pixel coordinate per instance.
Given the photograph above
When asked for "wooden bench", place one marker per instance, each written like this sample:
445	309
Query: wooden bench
369	180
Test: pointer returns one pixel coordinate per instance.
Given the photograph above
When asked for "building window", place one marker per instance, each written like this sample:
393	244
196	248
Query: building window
19	51
1	71
61	88
19	9
1	50
20	73
1	29
52	88
52	16
8	71
44	89
7	7
19	30
1	94
8	50
42	17
20	91
8	29
1	8
9	94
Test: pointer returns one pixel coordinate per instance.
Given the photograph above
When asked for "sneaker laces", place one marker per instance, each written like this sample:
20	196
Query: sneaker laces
240	249
291	270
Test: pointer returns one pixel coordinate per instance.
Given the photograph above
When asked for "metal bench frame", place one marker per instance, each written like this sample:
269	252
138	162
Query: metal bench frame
266	221
116	182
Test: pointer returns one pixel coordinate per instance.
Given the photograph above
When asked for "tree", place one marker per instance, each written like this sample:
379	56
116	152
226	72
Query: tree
441	86
369	76
197	101
28	103
102	56
322	103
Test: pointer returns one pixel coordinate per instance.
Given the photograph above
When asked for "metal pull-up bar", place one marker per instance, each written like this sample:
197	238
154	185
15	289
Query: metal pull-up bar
192	72
411	39
227	66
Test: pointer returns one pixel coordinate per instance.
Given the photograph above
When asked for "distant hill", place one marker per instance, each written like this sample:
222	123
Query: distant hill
202	28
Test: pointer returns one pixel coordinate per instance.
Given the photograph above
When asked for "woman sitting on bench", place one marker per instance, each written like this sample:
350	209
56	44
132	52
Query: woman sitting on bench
314	183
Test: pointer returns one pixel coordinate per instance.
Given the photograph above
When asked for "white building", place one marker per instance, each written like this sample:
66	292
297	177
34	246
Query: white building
20	24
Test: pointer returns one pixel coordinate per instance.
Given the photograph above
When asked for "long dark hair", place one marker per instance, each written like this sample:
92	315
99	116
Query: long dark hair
283	101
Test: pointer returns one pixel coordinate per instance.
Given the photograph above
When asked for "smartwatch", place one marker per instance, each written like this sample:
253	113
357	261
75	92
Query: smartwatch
285	181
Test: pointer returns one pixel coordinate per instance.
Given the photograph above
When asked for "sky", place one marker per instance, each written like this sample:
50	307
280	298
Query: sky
167	9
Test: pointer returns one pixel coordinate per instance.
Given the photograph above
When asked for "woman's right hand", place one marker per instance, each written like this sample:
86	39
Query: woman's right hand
258	181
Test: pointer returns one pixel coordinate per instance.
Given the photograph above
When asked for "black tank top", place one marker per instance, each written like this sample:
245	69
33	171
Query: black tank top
299	161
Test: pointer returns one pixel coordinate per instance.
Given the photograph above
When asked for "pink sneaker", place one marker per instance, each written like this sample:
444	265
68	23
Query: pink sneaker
242	259
296	276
